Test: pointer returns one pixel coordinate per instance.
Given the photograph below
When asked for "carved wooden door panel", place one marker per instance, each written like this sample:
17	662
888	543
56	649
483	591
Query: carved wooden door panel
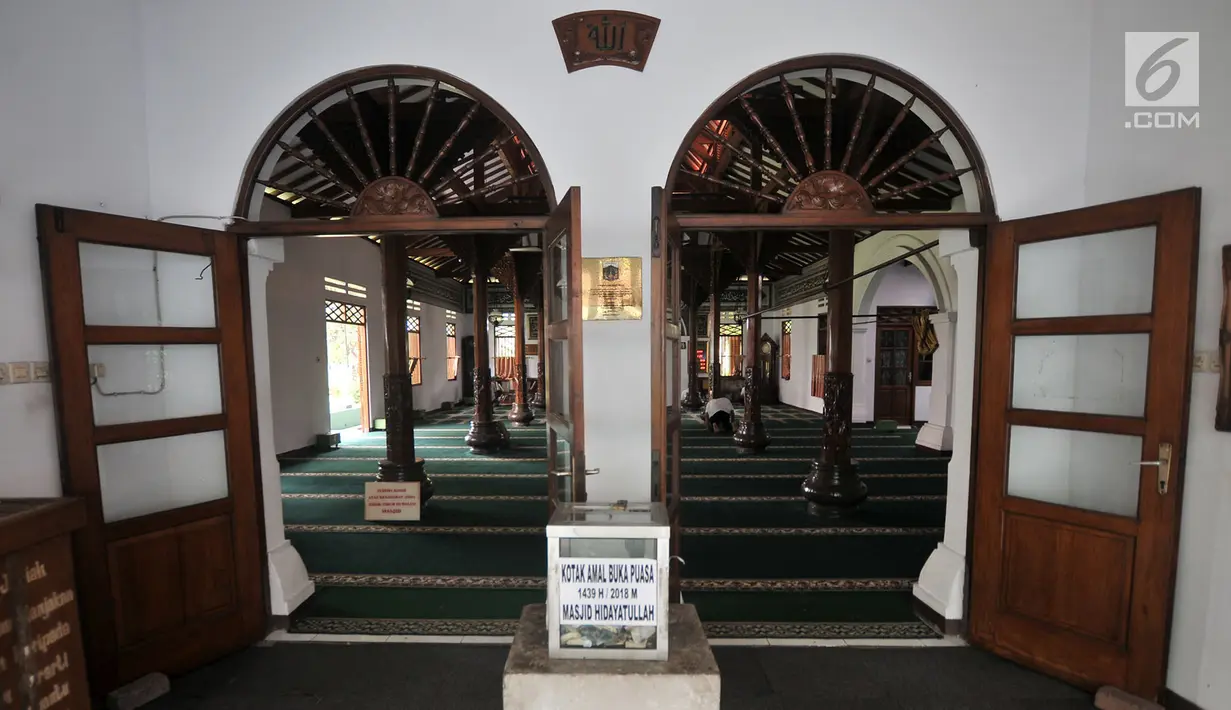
895	367
666	258
151	378
561	333
1087	345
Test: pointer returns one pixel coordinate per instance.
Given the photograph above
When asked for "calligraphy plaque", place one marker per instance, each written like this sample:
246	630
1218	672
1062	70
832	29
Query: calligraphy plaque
611	288
605	37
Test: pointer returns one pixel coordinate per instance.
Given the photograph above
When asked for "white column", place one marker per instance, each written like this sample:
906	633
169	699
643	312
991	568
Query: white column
863	367
937	433
289	584
942	581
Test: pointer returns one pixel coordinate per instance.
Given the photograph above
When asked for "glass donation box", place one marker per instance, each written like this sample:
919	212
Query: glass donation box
607	580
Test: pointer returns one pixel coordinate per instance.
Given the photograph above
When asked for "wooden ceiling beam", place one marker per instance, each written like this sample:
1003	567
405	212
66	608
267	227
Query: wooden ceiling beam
826	219
395	224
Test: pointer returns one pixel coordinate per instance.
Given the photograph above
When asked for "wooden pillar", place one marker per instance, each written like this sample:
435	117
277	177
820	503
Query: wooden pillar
750	432
715	321
520	414
486	434
834	481
692	400
400	463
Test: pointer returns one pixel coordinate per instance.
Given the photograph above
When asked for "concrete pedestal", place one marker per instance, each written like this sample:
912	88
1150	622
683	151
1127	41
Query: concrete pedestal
687	680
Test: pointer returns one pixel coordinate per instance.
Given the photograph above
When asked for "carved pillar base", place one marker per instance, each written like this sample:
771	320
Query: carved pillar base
750	436
521	415
692	401
486	437
834	481
537	400
833	486
389	471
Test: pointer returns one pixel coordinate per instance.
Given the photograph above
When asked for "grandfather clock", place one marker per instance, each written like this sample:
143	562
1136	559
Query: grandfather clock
767	360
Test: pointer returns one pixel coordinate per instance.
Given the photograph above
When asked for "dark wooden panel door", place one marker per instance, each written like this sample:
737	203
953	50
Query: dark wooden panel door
566	457
895	367
1087	340
666	258
154	407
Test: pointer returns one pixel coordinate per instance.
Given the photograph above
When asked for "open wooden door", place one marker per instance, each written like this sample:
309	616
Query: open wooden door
1087	340
666	450
566	458
154	407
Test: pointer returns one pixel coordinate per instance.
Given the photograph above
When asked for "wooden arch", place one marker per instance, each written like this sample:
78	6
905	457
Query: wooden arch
359	148
819	173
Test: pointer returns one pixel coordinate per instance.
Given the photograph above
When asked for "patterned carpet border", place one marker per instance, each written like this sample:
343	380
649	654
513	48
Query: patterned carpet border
413	529
372	474
772	459
427	581
819	630
798	498
476	457
359	496
713	629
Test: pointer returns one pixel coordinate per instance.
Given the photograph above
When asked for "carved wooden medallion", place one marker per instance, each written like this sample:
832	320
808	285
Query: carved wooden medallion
828	190
393	195
600	37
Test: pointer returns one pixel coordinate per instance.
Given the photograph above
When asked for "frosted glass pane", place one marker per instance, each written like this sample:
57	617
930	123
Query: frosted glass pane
1093	374
1093	275
1082	469
126	286
150	382
143	477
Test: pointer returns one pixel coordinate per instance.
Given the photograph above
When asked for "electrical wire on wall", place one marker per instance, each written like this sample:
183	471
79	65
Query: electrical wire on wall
162	349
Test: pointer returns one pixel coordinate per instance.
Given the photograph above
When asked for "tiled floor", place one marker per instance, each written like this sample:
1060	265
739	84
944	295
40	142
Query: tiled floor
456	675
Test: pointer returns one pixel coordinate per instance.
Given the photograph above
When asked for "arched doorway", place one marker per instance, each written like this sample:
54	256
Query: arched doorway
456	197
769	194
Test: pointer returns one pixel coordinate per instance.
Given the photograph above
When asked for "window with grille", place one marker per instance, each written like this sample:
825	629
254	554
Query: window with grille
349	313
504	344
785	348
339	286
453	359
730	349
412	349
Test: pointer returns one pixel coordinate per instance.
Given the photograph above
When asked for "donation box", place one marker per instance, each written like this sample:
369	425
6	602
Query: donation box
607	574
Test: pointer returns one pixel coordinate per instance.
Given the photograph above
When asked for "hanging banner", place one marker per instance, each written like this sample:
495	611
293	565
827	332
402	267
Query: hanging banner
391	501
611	288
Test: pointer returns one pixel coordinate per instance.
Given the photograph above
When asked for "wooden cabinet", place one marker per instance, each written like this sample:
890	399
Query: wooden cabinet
41	660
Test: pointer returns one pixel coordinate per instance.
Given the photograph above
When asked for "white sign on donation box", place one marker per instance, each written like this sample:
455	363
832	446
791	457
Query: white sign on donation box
608	592
391	501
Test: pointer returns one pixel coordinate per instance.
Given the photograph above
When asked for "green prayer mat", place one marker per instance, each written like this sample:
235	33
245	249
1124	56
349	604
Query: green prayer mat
756	562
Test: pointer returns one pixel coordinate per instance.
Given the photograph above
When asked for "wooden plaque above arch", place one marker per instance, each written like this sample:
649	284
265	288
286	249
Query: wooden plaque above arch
605	37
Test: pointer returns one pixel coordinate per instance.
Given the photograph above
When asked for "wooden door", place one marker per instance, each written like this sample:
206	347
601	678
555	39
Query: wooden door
153	400
1087	340
666	252
895	368
566	458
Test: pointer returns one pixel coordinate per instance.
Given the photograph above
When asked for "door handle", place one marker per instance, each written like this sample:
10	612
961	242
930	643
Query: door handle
1164	468
568	472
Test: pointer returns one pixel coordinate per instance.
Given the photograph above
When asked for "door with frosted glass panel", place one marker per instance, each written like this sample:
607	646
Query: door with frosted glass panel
1087	340
566	458
151	379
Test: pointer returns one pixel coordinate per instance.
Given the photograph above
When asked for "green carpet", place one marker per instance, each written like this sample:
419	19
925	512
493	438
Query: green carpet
756	564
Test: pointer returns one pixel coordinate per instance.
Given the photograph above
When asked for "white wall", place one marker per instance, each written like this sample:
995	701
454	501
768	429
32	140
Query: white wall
298	362
1130	162
72	133
895	285
1036	161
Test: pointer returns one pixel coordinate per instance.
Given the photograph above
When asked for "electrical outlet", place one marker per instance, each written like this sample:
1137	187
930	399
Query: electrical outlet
4	373
19	372
1215	363
1200	362
40	372
97	370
